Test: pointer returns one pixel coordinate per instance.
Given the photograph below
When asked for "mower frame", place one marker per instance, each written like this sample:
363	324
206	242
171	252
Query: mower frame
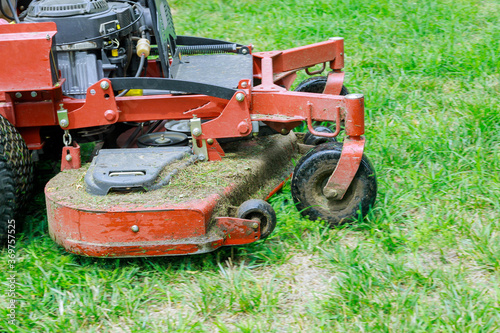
31	98
31	101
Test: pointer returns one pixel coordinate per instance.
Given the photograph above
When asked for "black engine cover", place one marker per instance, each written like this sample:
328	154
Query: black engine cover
81	21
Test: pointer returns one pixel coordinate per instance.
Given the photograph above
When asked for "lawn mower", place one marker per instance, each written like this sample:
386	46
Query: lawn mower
191	135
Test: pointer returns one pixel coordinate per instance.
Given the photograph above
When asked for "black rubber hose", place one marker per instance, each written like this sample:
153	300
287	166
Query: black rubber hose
13	10
139	71
3	11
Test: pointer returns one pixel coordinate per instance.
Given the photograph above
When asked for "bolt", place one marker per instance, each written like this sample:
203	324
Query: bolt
244	51
92	91
47	37
240	97
284	131
197	132
244	84
135	228
63	123
68	157
210	141
34	94
255	225
243	127
110	115
104	85
19	95
201	157
330	193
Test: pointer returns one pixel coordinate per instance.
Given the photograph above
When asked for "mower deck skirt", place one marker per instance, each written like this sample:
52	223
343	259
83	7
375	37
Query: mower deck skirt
193	214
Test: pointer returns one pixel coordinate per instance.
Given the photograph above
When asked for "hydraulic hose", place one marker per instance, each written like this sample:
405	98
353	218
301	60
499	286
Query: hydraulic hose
12	10
139	71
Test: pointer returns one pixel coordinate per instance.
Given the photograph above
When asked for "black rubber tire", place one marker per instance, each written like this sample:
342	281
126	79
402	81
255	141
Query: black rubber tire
259	210
7	199
310	139
16	174
312	173
316	84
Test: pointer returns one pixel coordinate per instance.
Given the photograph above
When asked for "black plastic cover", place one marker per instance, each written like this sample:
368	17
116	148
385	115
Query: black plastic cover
135	168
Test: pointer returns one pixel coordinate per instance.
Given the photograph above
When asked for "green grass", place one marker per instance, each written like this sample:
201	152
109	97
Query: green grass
427	258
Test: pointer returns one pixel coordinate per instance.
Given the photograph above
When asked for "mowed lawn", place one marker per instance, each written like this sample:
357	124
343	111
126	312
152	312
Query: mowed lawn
427	259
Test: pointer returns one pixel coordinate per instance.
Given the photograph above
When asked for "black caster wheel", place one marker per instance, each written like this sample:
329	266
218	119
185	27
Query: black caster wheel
311	175
311	139
261	211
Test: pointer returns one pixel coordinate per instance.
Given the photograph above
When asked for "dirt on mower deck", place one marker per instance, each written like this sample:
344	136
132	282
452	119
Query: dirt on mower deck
252	167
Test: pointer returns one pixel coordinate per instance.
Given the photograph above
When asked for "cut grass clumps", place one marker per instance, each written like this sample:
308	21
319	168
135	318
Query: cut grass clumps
249	168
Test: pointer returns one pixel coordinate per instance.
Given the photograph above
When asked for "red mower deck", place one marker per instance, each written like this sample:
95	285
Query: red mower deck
193	214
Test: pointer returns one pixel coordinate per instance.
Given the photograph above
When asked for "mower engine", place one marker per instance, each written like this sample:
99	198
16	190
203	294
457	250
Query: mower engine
94	39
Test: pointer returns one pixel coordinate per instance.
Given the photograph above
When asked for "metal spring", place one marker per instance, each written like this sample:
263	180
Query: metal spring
207	49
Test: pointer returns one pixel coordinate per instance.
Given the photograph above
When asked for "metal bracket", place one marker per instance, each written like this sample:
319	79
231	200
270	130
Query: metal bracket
62	116
323	134
334	83
319	71
238	231
196	131
71	158
348	165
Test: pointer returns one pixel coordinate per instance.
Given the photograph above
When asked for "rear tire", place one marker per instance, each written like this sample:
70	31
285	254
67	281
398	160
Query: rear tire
7	200
16	174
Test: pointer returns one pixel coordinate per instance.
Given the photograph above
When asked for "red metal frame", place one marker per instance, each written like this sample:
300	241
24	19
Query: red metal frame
30	98
268	101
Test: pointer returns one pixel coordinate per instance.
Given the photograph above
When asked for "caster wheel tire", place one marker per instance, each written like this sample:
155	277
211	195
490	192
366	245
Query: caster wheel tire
16	174
316	84
261	211
311	175
310	139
